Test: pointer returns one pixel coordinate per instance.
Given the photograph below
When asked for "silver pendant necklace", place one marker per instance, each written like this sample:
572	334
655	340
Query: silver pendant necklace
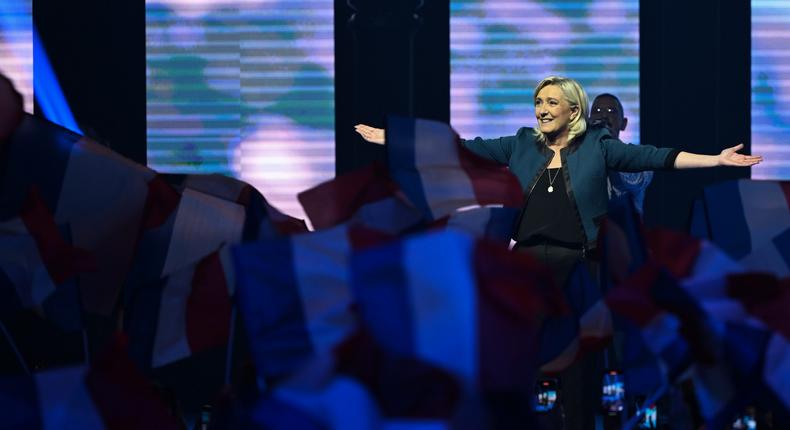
551	180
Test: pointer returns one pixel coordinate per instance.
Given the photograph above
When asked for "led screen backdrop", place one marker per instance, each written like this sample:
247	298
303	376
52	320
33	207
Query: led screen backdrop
243	88
501	49
771	88
16	46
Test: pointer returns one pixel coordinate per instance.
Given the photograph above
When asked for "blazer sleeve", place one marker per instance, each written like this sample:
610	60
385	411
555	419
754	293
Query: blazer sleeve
499	149
624	157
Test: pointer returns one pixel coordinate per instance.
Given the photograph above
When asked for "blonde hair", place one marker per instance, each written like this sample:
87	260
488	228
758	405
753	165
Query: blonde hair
576	96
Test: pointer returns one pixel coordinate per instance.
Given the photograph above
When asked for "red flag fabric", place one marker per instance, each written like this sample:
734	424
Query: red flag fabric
366	197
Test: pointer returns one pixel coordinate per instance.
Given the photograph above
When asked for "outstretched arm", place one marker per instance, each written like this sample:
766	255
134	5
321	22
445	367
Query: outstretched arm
498	150
727	157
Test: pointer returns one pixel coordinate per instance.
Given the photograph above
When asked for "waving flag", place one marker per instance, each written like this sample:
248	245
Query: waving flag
186	312
358	386
724	328
98	193
752	370
494	223
657	352
188	217
180	229
438	175
590	326
623	244
295	297
743	218
621	241
122	394
366	197
38	266
110	395
750	336
782	244
457	304
566	338
667	327
763	296
49	399
343	403
262	220
366	387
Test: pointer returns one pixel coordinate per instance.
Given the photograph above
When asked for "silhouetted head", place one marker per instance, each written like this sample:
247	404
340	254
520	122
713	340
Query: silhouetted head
607	110
11	107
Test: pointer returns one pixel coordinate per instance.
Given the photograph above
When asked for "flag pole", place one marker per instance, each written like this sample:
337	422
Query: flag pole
83	329
229	353
16	350
85	349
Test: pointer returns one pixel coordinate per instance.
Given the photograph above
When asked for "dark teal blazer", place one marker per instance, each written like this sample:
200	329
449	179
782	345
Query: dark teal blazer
587	162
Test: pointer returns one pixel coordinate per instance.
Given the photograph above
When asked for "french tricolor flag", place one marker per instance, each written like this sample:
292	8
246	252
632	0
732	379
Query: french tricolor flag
342	404
99	194
567	338
724	328
49	399
656	352
440	176
262	220
367	197
295	297
468	307
111	394
622	241
363	386
564	339
38	265
752	371
180	229
747	219
182	314
750	314
493	223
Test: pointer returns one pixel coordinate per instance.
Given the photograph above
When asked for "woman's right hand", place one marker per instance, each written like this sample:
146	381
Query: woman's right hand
371	134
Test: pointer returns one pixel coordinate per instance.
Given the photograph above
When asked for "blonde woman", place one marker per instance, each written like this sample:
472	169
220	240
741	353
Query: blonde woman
562	166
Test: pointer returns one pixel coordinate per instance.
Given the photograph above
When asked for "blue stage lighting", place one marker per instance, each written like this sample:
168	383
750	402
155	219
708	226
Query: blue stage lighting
47	89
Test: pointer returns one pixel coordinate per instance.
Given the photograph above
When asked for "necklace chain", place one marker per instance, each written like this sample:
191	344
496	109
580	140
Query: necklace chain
551	180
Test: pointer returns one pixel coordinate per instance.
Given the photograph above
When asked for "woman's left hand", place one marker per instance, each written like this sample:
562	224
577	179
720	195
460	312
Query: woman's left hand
730	157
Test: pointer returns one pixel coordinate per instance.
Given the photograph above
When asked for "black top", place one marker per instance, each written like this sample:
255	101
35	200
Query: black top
587	160
549	216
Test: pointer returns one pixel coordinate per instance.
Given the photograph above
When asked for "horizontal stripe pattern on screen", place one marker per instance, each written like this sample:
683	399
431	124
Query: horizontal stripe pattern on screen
243	88
771	89
16	46
501	49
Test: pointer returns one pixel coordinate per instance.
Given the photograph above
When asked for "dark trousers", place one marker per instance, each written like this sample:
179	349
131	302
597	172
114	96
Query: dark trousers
560	259
580	384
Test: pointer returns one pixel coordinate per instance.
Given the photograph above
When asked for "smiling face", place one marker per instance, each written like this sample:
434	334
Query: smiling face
553	111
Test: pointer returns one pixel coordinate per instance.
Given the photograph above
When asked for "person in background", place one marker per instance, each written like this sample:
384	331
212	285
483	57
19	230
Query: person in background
11	115
11	111
607	111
